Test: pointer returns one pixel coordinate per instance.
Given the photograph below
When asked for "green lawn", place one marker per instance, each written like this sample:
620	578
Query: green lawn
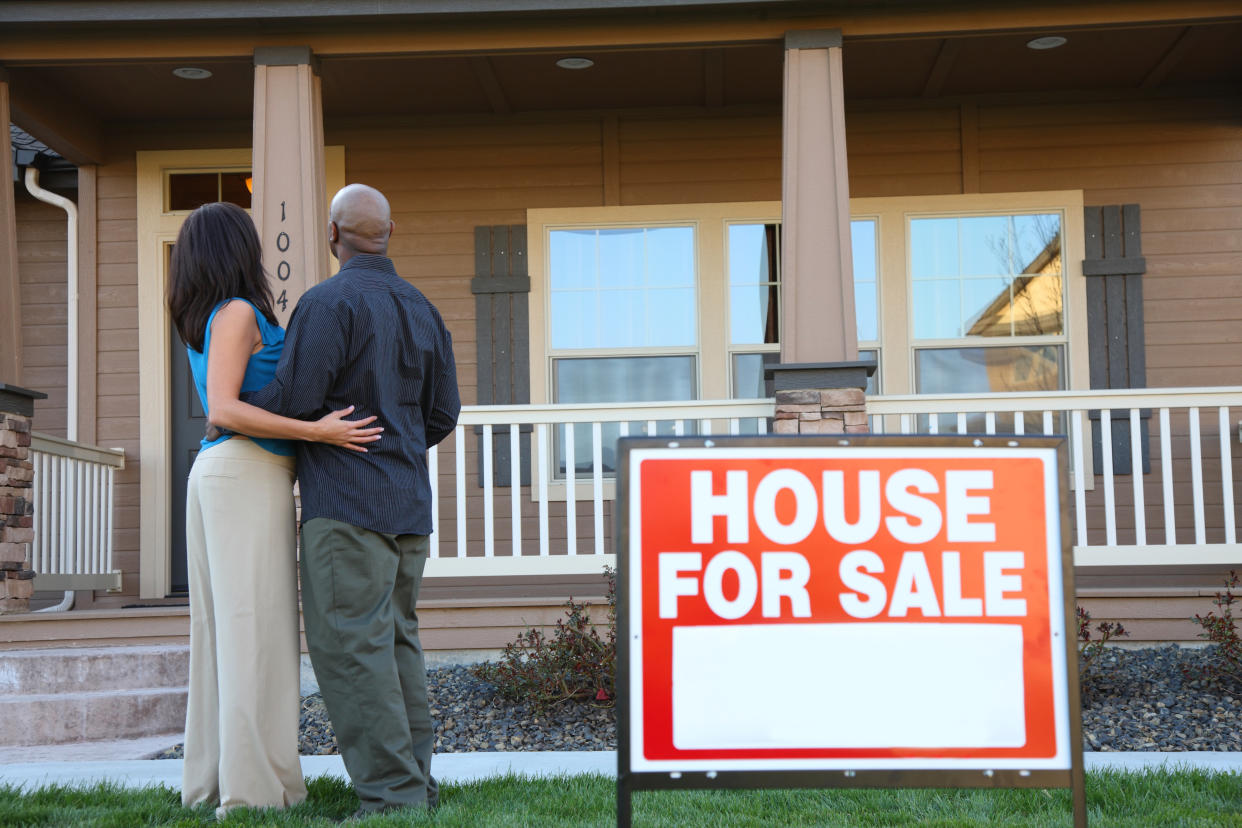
1189	798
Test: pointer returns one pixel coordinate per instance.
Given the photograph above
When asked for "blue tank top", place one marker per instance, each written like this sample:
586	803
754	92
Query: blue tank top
260	370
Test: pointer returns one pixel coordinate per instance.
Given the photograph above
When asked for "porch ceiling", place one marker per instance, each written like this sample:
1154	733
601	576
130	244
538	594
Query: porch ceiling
1121	60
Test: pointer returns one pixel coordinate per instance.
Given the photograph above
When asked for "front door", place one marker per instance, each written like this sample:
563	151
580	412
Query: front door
188	422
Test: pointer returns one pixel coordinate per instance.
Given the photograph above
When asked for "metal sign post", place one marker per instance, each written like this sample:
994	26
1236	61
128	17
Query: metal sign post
870	611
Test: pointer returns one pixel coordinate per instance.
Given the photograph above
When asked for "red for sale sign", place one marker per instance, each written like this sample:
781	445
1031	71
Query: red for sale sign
808	607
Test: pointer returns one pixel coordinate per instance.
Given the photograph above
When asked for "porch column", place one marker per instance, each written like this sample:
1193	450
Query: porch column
288	171
10	284
819	383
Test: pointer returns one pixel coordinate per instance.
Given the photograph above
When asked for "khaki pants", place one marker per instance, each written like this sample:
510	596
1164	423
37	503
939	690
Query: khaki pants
241	727
359	590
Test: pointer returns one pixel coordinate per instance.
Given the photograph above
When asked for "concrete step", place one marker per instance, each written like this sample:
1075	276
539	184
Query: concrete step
93	669
59	718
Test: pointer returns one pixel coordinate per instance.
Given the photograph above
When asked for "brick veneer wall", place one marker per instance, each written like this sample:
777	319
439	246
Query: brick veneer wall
16	499
831	411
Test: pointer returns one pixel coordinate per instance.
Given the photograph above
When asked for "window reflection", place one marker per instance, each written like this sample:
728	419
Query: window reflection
984	371
754	279
989	370
617	379
620	380
622	288
987	276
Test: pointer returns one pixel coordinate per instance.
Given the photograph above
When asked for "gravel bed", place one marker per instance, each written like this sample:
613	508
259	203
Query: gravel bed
1133	700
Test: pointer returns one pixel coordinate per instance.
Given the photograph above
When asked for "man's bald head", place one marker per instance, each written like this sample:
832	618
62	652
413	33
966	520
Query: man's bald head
360	221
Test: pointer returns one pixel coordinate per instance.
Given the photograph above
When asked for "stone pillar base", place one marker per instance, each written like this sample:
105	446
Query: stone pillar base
820	397
16	498
810	411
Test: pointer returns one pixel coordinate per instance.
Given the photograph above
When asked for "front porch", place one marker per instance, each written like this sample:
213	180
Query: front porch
1149	548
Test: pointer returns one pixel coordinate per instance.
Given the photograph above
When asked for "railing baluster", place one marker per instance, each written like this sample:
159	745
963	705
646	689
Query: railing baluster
1136	477
88	516
1080	493
623	428
906	423
459	487
43	510
1019	425
652	431
735	425
1110	505
1196	473
705	428
111	475
961	422
1226	474
989	422
1166	478
62	509
762	425
489	514
433	472
933	423
571	493
679	428
1048	422
541	432
597	465
515	487
80	477
97	541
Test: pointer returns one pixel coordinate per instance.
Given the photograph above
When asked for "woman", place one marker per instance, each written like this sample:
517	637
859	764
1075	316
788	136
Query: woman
242	719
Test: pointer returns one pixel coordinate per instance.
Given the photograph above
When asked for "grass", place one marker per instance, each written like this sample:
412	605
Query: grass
1151	798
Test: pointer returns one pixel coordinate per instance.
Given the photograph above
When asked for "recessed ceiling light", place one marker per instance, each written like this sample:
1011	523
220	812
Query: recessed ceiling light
575	63
1043	43
192	73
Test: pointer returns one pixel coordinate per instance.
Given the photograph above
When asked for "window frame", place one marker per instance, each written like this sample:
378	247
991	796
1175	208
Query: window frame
897	342
895	345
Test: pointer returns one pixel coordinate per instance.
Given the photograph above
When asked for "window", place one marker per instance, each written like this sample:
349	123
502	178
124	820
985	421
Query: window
187	191
987	298
975	293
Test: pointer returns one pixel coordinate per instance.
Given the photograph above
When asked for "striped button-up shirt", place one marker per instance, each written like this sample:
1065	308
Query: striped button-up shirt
368	338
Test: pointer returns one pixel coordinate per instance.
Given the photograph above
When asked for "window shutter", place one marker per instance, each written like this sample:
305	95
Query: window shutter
501	288
1114	269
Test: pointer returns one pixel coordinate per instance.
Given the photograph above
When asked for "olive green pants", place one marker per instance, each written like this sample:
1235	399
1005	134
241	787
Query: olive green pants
359	590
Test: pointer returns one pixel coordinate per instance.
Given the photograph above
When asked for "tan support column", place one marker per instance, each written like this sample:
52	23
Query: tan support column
288	201
10	283
819	383
817	273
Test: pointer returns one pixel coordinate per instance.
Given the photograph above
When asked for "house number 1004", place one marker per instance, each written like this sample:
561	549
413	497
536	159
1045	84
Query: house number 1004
283	270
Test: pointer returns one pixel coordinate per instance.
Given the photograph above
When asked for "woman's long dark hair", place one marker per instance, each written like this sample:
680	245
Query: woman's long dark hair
217	257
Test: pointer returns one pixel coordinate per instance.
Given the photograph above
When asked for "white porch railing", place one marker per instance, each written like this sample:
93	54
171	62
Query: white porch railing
73	484
1179	510
1182	439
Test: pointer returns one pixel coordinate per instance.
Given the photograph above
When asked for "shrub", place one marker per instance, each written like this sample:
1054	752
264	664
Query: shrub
1222	630
574	662
1089	649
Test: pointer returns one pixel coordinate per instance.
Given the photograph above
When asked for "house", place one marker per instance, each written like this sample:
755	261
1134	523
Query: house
1024	213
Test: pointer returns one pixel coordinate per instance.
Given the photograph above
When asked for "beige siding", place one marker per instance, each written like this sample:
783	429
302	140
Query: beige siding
117	396
41	257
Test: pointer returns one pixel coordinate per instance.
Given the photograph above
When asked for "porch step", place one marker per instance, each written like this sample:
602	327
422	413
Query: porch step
63	696
92	669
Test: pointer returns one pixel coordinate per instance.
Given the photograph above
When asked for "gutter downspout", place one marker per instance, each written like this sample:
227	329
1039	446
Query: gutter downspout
71	382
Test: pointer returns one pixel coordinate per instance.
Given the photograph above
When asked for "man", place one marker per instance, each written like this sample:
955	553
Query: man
369	339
